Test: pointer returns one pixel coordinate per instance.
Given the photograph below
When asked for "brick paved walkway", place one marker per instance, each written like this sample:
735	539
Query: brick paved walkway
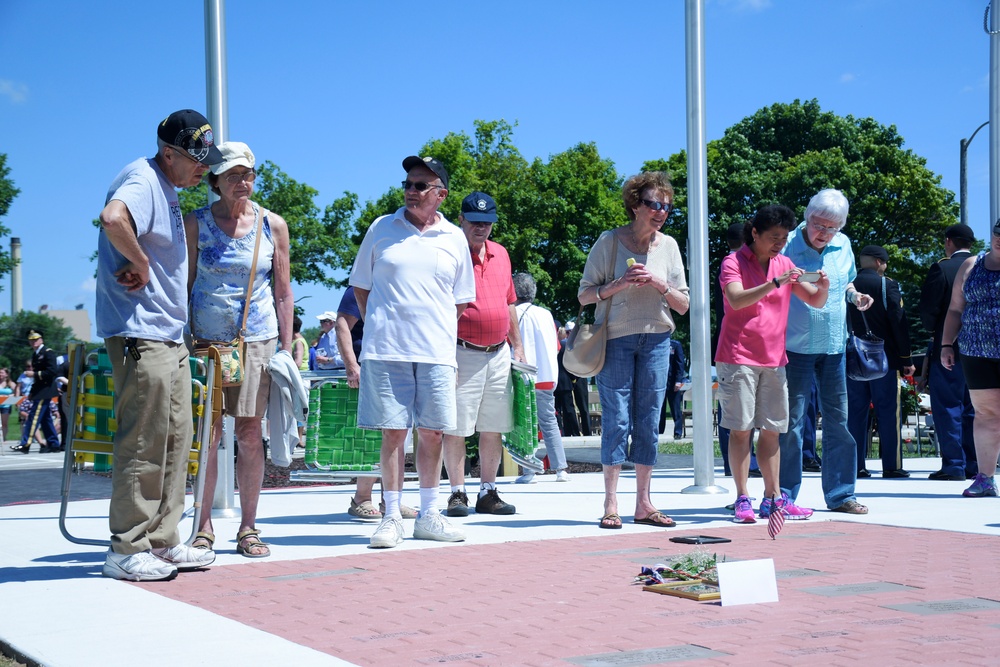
552	601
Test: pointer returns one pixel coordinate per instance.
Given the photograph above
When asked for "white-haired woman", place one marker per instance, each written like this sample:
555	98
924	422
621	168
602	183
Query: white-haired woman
816	342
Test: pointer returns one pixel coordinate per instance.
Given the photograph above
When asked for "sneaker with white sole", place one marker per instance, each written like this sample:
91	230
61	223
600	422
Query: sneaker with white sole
143	566
434	526
184	557
526	478
562	476
744	511
388	534
792	511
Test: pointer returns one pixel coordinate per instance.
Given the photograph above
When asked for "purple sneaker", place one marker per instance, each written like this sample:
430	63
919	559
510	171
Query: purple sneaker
792	511
982	486
744	511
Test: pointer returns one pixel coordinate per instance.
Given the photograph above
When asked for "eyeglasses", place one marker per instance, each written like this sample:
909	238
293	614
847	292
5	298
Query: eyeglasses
247	176
485	223
824	229
419	186
657	206
181	151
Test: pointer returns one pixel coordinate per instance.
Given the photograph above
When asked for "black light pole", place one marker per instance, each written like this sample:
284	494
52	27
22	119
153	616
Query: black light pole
963	187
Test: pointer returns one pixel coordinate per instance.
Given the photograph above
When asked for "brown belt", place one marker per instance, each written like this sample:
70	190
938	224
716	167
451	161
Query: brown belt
480	348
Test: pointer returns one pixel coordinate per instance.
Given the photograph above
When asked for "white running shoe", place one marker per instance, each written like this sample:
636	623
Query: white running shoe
184	557
526	478
434	526
388	534
562	476
143	566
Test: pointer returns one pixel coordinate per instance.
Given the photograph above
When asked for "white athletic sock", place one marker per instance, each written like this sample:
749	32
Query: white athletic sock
458	489
485	487
392	500
428	500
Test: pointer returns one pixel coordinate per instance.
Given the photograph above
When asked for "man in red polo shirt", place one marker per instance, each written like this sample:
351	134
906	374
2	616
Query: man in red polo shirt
483	392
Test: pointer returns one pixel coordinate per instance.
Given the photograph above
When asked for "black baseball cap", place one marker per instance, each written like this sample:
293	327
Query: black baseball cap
963	232
429	162
876	251
190	131
479	207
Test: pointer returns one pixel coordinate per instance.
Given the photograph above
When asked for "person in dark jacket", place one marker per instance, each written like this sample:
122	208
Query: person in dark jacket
951	404
674	398
46	366
886	320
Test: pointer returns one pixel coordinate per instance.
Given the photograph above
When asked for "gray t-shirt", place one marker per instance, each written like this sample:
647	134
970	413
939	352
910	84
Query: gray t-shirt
159	310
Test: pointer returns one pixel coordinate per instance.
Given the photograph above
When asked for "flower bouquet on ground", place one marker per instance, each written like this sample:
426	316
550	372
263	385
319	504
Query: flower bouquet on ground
698	565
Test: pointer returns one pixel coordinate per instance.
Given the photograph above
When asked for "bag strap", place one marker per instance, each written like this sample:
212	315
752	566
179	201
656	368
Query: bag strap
884	303
253	270
850	326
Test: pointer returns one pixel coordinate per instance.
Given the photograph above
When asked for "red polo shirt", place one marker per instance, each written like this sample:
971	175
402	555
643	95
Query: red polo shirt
486	320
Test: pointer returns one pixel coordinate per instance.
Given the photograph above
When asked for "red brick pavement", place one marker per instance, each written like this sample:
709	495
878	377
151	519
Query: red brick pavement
542	603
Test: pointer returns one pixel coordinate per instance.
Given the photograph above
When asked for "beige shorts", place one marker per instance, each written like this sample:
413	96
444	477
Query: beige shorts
753	397
249	399
483	392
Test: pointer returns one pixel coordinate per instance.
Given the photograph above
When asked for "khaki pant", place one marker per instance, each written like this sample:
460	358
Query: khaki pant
153	412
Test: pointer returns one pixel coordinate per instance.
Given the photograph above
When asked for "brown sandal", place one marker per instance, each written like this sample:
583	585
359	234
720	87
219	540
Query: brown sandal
247	541
204	541
611	521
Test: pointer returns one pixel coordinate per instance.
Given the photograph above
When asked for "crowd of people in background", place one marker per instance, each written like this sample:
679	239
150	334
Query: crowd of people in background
435	315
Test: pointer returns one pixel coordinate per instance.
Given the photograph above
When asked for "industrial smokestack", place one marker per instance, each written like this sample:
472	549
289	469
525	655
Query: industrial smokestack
15	276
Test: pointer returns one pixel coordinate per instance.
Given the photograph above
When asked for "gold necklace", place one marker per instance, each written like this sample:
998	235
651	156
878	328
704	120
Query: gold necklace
635	241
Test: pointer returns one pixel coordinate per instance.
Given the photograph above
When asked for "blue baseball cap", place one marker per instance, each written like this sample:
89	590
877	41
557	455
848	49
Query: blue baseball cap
479	207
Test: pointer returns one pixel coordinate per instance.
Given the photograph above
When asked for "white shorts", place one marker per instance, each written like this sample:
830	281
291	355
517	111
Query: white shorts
484	392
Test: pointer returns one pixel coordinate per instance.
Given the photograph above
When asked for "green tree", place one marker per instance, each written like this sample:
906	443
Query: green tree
785	153
14	348
7	194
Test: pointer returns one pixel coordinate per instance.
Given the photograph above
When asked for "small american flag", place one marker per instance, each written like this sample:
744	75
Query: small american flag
777	519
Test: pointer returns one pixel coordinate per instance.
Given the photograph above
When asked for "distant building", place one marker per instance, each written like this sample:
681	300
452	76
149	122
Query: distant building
78	320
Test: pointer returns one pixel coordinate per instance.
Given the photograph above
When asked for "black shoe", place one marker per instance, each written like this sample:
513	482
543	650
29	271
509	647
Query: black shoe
941	475
458	504
811	466
491	504
895	474
864	474
24	449
755	472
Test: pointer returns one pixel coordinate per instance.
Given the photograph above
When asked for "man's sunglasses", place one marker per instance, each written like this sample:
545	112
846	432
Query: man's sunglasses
419	186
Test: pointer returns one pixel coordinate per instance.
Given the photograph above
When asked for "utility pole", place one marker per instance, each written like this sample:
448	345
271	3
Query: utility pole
963	183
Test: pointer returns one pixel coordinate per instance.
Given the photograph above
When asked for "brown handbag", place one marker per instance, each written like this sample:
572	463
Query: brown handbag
587	343
230	356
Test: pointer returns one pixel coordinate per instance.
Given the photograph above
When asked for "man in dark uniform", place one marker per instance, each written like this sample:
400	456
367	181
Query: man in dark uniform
42	392
886	320
950	402
674	398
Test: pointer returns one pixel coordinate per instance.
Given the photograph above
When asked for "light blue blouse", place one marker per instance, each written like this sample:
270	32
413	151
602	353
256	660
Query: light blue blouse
220	285
820	330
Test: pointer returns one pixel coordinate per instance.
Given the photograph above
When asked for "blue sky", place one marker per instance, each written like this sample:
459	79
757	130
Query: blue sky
337	93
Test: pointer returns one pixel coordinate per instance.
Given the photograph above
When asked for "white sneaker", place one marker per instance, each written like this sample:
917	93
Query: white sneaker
143	566
184	557
526	478
562	476
434	526
388	534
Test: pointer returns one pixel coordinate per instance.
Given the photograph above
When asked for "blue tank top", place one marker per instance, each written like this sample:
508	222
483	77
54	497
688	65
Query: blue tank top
220	285
980	334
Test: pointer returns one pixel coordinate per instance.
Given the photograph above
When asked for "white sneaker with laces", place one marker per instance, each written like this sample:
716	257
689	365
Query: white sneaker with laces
143	566
526	478
388	534
184	557
434	526
562	476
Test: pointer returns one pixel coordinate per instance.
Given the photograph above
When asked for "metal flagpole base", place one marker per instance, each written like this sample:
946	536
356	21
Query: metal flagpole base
713	489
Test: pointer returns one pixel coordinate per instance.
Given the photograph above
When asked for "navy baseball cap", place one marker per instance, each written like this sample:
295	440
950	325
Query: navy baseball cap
190	131
479	207
430	163
876	251
963	232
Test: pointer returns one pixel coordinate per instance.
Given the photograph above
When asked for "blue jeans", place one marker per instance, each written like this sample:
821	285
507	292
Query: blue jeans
547	424
631	386
840	454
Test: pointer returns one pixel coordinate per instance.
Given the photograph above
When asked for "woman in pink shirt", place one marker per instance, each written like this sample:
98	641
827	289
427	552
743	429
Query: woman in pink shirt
757	283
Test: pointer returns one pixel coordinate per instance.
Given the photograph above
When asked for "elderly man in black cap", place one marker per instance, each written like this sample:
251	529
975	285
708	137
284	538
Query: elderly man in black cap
142	307
43	390
887	320
951	404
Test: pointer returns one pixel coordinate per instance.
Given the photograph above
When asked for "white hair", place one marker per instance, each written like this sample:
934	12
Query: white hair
830	205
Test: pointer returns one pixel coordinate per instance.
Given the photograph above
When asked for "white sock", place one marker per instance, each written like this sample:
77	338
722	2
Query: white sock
392	499
458	489
428	500
486	487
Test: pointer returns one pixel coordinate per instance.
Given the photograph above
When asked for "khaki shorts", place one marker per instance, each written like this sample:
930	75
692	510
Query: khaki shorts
249	399
753	397
483	392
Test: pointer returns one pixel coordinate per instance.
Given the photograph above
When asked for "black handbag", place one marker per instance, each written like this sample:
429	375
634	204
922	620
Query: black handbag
865	354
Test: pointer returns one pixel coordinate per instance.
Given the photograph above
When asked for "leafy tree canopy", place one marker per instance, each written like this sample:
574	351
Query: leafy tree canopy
14	348
7	194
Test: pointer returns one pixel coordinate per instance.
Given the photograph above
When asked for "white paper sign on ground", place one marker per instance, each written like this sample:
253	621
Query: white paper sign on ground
747	582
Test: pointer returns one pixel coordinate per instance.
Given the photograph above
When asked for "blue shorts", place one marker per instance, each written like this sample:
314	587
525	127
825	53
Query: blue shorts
397	395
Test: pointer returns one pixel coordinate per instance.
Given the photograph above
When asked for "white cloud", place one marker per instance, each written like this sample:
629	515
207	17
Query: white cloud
89	285
746	5
16	92
848	77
